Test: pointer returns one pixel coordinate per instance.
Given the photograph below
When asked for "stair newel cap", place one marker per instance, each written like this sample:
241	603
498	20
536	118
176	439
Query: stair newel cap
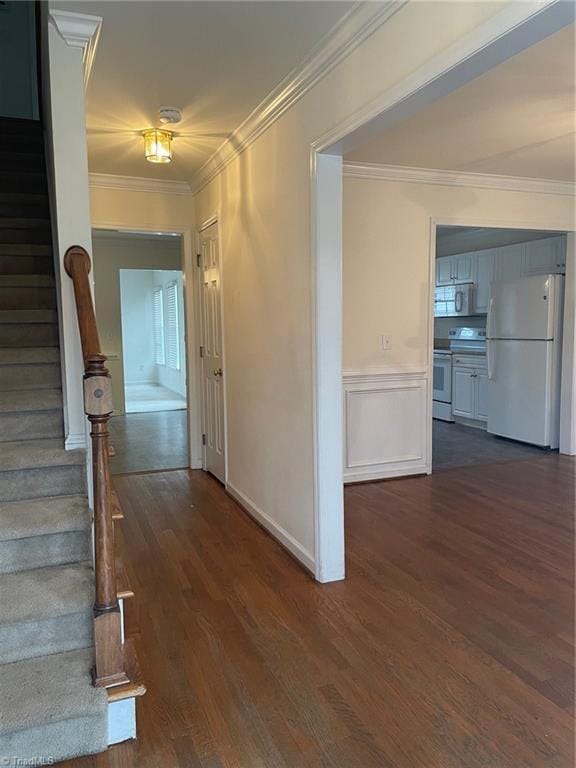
74	256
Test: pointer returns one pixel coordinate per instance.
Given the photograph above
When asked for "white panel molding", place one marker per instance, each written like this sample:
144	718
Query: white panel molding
363	19
280	534
406	389
139	184
409	175
80	30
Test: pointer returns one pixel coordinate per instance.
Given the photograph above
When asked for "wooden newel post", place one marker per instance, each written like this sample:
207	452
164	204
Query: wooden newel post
109	667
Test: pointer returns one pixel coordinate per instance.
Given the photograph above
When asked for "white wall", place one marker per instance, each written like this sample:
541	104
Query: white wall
110	255
386	289
263	198
168	377
136	307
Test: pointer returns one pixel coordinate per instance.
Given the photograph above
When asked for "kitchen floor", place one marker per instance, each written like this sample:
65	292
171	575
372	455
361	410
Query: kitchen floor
455	445
144	442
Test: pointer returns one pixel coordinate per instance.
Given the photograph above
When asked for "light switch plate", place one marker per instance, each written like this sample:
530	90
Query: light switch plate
385	342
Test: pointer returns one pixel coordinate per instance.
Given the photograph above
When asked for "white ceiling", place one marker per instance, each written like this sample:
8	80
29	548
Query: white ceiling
214	60
516	120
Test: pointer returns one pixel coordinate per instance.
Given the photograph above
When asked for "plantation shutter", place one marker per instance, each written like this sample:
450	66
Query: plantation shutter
172	334
159	356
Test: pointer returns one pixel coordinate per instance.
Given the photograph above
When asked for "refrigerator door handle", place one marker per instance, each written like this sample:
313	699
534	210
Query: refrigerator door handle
489	359
489	318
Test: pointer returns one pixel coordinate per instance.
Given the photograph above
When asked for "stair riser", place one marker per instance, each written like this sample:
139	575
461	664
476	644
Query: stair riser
34	425
58	741
30	376
26	265
28	335
18	160
41	551
27	297
18	249
27	182
24	210
18	484
23	235
27	640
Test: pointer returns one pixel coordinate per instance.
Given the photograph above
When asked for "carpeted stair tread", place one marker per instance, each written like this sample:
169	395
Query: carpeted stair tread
41	691
44	593
43	517
29	355
30	400
28	316
24	223
32	454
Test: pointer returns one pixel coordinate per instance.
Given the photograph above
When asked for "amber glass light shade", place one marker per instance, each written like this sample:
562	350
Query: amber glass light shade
157	146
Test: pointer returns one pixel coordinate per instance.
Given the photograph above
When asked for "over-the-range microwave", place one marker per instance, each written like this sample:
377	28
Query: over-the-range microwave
453	300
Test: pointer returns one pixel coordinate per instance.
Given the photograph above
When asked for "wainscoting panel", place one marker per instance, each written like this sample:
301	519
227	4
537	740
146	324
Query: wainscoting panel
386	415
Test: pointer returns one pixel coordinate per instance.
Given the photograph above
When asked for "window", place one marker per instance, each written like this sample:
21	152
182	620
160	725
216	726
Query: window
159	353
172	330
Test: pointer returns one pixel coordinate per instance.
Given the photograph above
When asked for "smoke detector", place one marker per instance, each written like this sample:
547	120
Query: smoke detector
170	115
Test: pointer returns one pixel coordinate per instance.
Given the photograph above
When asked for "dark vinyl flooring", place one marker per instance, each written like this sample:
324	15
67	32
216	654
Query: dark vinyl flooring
145	442
456	445
449	645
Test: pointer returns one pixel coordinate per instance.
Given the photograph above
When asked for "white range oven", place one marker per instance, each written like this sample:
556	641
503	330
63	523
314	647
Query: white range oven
442	385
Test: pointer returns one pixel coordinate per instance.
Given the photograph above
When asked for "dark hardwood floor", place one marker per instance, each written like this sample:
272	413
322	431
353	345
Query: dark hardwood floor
450	645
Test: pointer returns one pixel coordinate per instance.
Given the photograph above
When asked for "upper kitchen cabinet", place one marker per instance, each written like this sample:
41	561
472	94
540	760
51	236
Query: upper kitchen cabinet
510	262
484	274
545	257
457	269
444	270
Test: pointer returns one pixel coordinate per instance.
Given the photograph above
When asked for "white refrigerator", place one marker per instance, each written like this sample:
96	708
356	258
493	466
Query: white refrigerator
524	347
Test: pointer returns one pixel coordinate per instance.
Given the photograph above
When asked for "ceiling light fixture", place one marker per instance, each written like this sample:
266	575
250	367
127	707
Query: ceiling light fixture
158	145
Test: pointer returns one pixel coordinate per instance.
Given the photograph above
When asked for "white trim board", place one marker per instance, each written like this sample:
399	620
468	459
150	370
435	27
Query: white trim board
410	175
79	30
357	25
280	534
138	184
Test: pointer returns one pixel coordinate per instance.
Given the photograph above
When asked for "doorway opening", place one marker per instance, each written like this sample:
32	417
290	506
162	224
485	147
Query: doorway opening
139	298
497	353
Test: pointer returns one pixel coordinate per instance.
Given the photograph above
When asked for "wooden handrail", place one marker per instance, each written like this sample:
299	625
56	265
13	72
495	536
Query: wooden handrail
109	668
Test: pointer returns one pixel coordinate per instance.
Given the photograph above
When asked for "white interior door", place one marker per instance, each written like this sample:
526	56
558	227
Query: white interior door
212	358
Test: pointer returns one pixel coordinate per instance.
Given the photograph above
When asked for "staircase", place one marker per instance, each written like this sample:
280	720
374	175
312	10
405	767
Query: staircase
48	708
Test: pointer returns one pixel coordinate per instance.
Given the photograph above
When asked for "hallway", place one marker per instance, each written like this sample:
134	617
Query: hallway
448	646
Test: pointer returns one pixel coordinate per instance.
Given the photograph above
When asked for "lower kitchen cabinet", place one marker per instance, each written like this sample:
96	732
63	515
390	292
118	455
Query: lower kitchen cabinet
470	391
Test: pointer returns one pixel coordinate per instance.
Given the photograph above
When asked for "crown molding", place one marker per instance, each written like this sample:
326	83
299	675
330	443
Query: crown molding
79	30
361	21
409	175
139	184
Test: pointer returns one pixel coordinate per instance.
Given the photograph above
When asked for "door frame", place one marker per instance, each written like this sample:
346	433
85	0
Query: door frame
215	218
517	27
568	370
191	330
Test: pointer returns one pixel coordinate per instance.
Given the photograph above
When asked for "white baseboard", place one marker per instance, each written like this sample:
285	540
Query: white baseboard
197	463
385	473
286	539
75	440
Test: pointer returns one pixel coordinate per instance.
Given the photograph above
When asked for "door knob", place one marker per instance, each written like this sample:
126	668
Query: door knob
217	371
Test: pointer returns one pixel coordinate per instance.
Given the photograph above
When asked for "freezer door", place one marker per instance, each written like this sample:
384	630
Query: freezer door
522	309
519	390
